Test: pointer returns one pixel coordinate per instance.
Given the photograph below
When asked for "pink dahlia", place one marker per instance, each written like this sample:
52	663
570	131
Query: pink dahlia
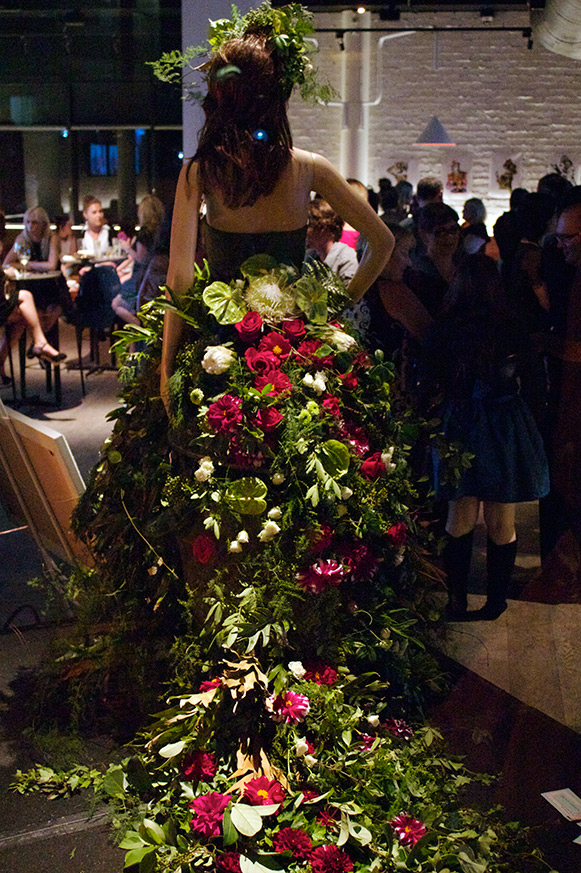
330	859
407	829
293	840
399	728
366	742
321	575
322	674
210	683
262	791
225	415
328	818
288	707
209	812
228	862
275	343
280	382
199	766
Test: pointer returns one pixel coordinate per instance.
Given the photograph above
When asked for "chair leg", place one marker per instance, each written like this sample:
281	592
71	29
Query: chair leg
79	333
8	336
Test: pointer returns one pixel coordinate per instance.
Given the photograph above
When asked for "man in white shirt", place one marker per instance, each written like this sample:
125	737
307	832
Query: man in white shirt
97	237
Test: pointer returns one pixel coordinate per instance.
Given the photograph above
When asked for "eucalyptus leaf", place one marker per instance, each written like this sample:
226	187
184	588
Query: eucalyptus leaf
266	864
172	749
224	302
246	496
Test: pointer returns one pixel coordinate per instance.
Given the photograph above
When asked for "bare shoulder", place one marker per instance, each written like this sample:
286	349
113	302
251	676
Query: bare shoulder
189	181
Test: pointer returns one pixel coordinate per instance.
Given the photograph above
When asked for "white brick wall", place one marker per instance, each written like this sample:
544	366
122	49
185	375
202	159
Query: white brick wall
487	89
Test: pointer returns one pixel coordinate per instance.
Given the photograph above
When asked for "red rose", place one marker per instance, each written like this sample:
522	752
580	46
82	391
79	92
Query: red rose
331	405
250	326
397	533
268	419
308	349
373	467
294	329
204	549
261	361
279	381
225	415
275	343
349	380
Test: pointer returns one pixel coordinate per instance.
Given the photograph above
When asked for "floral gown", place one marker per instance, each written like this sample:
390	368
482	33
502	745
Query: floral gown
297	617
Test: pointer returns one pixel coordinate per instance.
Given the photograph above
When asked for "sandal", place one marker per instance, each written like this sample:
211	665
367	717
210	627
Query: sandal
48	357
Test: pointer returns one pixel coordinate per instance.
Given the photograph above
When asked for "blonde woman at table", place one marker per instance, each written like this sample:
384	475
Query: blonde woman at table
18	312
50	295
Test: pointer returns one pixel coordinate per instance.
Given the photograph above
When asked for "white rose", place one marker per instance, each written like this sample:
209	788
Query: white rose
301	748
386	457
308	379
346	493
205	470
275	513
310	761
373	720
277	478
340	339
234	546
218	359
297	669
268	532
320	382
242	537
399	556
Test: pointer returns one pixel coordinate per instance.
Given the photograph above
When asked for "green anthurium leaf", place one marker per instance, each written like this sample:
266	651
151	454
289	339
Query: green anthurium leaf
132	840
172	749
335	458
246	496
151	832
245	819
114	782
225	303
257	265
311	297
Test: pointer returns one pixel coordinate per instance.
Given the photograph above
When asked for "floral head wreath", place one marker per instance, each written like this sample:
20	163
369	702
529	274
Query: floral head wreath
289	26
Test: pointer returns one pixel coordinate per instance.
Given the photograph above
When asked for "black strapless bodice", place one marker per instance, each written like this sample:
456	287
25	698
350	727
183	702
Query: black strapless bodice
226	251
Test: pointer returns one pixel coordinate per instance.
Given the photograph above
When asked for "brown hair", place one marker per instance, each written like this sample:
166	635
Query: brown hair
245	143
88	200
150	212
322	216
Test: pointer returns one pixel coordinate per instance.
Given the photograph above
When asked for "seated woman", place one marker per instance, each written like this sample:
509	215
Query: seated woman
150	215
50	295
17	310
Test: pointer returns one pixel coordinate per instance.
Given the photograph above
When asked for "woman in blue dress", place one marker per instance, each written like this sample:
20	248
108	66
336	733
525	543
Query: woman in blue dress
470	362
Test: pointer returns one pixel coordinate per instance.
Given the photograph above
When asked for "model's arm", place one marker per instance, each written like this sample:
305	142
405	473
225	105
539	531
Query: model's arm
180	275
330	184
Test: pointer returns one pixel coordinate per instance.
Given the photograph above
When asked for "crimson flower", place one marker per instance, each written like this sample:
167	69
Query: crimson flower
321	539
275	343
288	707
250	326
373	467
293	840
321	575
362	359
261	362
407	829
208	684
308	349
280	382
356	437
268	419
366	742
309	793
349	380
225	415
399	728
204	549
322	674
397	533
262	791
228	862
294	329
209	812
360	560
328	818
331	405
330	859
199	766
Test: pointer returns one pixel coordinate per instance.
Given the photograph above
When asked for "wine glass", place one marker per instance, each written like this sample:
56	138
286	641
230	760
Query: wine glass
22	252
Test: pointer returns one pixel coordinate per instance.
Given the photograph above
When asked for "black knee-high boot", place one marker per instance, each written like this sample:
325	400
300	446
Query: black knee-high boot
499	567
456	556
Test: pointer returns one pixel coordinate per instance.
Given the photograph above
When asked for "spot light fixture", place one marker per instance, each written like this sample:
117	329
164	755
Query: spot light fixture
361	10
434	135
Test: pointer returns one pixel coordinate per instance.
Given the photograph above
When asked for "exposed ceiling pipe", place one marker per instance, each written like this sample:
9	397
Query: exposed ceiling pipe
560	28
